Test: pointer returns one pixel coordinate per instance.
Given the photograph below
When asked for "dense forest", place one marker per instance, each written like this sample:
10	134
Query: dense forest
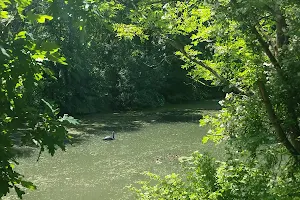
61	58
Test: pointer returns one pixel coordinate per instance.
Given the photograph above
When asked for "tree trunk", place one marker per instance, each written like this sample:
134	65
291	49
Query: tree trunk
293	130
275	121
281	40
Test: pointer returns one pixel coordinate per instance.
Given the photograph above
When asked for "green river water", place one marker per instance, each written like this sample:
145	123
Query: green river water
93	169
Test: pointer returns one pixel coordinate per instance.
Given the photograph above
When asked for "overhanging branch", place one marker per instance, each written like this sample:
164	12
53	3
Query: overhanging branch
224	82
266	49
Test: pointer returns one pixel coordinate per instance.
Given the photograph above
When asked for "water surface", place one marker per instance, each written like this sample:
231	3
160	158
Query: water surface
95	169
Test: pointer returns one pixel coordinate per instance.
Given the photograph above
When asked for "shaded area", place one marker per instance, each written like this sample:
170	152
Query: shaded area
24	151
179	116
101	125
104	124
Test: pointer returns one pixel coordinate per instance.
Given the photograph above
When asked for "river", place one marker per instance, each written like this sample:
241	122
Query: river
94	169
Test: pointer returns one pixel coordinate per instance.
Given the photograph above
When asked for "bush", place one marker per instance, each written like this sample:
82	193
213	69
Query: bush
235	179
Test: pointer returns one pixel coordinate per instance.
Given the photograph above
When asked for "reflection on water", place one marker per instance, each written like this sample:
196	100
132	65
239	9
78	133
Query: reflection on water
97	169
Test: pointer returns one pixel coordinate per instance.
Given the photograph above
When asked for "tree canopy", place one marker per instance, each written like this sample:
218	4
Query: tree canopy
251	50
253	55
25	119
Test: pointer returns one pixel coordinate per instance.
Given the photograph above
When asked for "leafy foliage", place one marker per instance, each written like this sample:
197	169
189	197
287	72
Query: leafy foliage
206	178
106	73
22	67
242	60
250	49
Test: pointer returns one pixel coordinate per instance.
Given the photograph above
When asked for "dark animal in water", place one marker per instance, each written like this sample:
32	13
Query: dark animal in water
110	137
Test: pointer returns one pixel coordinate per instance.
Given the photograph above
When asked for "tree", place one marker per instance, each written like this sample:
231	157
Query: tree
250	47
25	119
254	57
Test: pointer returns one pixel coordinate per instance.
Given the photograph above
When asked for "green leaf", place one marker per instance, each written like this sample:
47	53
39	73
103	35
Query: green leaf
21	35
28	185
55	57
4	14
42	18
4	3
19	192
205	139
69	119
31	16
49	72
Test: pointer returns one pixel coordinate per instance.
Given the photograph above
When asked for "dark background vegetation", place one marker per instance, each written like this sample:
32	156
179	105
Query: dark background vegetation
106	74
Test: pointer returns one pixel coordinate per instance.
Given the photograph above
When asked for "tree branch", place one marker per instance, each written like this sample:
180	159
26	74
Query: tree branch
266	49
281	27
224	82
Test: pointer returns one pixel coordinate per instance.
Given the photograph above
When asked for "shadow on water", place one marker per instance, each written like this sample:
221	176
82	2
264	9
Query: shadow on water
104	124
179	116
24	151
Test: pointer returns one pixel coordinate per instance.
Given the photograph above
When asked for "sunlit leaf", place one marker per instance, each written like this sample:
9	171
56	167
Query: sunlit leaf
4	14
4	3
38	76
21	5
39	57
42	18
28	185
205	139
21	35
